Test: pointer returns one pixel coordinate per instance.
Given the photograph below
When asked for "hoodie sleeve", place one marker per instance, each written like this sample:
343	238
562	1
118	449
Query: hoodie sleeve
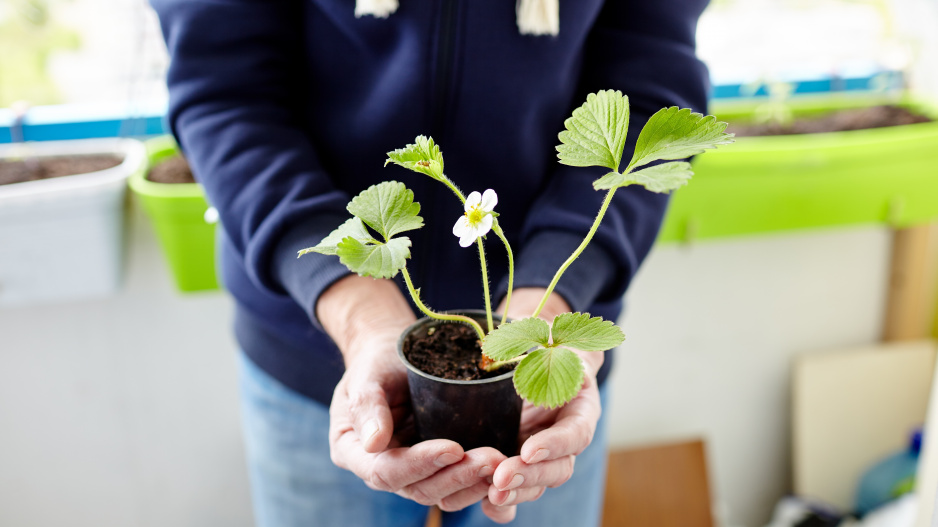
233	79
646	49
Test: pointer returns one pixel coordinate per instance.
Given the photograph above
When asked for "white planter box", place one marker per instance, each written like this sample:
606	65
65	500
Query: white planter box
62	238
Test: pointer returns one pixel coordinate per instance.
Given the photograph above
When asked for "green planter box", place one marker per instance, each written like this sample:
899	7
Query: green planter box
178	215
779	183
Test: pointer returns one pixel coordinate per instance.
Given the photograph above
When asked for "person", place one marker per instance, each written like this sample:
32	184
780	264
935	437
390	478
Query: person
286	109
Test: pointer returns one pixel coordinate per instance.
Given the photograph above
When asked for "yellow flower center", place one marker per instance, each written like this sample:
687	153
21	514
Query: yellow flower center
475	215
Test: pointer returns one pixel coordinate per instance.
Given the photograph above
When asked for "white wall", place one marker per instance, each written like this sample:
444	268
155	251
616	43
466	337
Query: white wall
711	329
123	411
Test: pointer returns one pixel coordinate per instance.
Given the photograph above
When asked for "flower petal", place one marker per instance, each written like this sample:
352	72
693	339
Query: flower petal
489	200
484	225
462	227
467	240
473	201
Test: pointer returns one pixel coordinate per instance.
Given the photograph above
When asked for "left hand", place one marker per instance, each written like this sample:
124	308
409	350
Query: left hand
552	438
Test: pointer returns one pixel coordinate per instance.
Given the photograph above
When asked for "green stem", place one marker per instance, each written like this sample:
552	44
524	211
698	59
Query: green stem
576	253
415	294
452	186
496	365
511	268
485	286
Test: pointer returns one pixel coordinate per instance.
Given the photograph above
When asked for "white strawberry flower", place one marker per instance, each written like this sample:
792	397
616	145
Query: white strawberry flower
477	220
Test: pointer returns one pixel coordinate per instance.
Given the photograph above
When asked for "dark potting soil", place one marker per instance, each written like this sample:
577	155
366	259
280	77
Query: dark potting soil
53	167
450	351
174	169
840	121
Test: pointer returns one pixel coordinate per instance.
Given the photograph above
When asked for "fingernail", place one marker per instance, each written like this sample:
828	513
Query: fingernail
486	471
539	456
515	482
511	497
445	460
369	430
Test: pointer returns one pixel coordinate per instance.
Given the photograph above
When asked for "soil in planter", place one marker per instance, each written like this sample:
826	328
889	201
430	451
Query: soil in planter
450	351
174	169
840	121
35	169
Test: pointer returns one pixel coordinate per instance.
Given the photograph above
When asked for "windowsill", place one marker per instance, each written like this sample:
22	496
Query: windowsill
82	121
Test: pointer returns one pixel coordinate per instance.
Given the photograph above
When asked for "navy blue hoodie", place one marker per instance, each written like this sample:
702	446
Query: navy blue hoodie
286	108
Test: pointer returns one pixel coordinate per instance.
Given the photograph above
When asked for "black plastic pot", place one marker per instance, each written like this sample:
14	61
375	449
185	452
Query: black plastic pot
485	412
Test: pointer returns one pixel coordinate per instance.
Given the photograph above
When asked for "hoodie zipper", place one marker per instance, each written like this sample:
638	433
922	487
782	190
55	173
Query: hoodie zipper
446	41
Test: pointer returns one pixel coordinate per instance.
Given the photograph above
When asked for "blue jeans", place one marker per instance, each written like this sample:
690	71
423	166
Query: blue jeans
294	483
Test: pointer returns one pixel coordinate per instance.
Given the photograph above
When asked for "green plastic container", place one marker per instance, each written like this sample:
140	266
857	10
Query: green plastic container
781	183
178	214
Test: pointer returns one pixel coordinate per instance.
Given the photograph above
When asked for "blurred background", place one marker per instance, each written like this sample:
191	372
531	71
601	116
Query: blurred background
779	338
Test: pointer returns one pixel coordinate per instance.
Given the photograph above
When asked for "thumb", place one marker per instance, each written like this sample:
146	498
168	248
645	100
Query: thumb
371	416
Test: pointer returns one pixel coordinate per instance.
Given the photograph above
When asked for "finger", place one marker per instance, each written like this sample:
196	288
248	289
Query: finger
516	474
477	465
400	467
393	469
498	514
570	434
466	497
371	416
508	498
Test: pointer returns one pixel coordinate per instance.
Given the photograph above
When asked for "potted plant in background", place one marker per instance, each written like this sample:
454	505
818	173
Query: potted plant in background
181	216
465	372
842	160
63	198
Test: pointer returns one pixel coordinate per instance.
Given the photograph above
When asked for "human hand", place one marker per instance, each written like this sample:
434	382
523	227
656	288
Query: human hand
551	438
369	412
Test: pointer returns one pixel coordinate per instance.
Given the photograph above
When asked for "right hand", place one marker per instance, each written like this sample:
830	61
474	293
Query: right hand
370	406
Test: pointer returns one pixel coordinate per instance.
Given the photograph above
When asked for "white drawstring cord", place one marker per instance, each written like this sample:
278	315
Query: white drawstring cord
535	17
539	17
376	8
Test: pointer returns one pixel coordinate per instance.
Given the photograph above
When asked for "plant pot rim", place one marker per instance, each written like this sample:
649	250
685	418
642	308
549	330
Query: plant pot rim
134	162
159	149
426	321
798	143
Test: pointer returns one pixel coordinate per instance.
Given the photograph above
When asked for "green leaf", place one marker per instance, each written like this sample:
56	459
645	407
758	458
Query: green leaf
512	339
423	156
580	331
659	178
353	227
595	134
549	377
675	133
388	208
379	260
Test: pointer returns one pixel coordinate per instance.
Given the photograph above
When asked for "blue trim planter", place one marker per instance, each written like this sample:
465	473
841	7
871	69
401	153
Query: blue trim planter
70	121
67	122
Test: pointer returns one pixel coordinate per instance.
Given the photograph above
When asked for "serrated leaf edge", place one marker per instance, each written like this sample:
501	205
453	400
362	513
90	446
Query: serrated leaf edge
536	343
725	138
561	400
575	126
343	259
605	324
414	207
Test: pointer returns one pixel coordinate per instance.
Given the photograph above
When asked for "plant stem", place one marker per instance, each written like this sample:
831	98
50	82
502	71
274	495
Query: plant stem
485	286
452	186
496	365
576	253
415	294
511	268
